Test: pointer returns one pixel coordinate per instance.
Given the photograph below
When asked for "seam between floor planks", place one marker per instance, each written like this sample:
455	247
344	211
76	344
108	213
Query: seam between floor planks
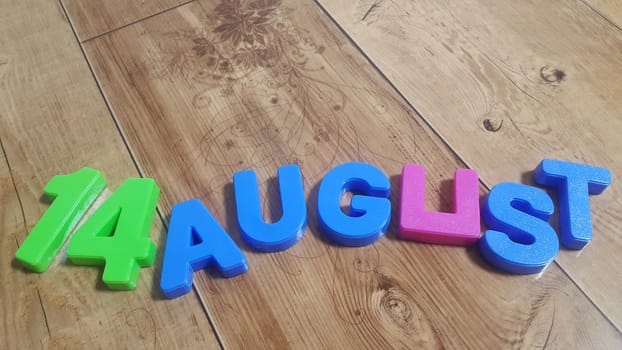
600	14
19	199
119	27
99	88
125	141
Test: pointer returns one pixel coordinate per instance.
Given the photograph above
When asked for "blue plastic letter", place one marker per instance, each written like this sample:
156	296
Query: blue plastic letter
574	182
289	229
195	241
370	212
520	240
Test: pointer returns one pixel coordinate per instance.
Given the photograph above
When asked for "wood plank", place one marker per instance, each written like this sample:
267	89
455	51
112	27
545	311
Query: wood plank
508	84
95	17
53	120
610	9
198	101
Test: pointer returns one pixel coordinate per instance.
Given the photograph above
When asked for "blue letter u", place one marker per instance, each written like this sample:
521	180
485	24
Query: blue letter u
283	233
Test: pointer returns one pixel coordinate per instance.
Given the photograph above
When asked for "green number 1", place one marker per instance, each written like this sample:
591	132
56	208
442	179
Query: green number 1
71	196
117	234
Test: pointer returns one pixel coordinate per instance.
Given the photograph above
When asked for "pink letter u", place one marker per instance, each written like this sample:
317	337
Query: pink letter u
461	227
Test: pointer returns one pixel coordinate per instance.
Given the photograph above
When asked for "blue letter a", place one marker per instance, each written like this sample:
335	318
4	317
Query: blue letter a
195	241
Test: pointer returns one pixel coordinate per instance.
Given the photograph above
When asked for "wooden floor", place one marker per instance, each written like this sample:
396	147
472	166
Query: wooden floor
189	92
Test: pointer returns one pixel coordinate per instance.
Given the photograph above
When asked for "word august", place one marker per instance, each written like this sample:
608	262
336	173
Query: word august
519	240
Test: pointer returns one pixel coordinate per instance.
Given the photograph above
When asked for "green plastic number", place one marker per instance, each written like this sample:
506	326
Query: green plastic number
71	196
117	234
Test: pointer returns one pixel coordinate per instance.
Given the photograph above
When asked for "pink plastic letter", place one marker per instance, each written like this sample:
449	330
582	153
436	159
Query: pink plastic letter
461	227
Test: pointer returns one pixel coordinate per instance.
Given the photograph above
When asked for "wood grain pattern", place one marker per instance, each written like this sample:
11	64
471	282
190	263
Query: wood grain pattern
507	84
214	87
53	120
610	9
95	17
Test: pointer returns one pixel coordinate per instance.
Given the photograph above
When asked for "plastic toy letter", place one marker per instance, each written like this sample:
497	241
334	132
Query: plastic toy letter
289	229
370	212
574	183
117	234
520	240
195	241
71	196
462	227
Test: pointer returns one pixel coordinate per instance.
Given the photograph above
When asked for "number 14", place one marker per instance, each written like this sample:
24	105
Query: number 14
115	236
